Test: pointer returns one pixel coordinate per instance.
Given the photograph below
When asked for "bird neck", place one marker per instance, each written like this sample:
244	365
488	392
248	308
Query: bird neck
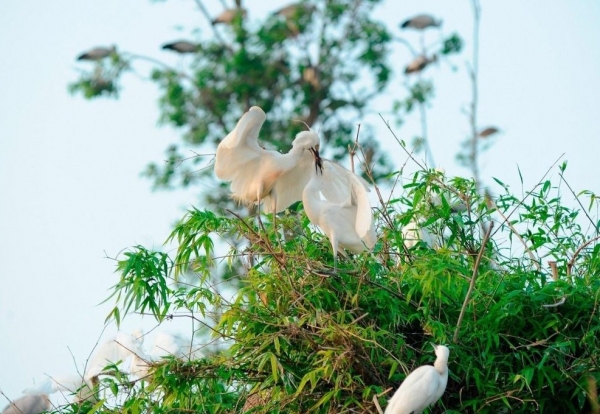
295	152
441	366
311	197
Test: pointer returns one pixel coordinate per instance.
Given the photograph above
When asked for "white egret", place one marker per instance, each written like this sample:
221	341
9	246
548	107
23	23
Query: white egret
97	53
123	347
422	387
419	63
181	46
259	175
227	16
75	385
412	233
420	22
28	404
336	201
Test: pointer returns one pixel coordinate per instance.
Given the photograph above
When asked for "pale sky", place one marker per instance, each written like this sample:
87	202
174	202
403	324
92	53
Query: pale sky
70	182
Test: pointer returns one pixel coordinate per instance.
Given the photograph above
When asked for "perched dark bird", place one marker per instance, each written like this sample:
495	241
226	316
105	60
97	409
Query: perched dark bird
484	133
419	63
97	53
421	22
423	387
181	46
28	404
228	15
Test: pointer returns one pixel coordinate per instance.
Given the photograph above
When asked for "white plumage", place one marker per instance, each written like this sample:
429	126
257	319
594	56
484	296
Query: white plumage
258	175
423	387
336	201
28	404
413	232
70	385
124	348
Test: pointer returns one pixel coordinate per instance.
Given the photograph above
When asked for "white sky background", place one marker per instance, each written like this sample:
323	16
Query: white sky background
70	185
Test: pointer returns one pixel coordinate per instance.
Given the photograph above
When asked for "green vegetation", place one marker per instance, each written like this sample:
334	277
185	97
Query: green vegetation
290	335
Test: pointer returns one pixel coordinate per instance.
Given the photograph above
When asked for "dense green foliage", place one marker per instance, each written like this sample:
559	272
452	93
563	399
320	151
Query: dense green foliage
283	329
300	338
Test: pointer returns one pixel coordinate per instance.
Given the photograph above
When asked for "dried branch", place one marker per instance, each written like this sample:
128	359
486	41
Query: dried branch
472	284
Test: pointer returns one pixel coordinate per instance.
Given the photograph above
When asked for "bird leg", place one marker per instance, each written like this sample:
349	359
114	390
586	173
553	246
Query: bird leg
334	246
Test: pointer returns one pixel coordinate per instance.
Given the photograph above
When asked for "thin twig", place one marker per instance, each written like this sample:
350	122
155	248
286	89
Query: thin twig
474	70
529	193
472	284
583	246
516	233
376	402
209	18
579	202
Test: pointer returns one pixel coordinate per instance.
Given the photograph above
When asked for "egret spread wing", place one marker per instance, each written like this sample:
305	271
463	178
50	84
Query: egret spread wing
240	147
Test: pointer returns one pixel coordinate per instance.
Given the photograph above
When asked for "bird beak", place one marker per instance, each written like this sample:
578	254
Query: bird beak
318	160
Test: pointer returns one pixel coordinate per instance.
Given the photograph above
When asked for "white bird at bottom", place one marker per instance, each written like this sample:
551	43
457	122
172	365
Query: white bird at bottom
336	201
422	387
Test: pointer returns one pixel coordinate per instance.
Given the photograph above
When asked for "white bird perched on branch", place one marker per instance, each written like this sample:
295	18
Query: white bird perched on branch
259	175
123	347
344	214
423	387
28	404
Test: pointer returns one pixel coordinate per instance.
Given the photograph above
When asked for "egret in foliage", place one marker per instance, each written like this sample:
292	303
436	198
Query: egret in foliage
336	201
423	387
123	347
420	22
28	404
82	389
412	233
259	175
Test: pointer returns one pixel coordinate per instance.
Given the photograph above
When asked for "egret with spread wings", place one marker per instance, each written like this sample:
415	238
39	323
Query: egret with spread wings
259	175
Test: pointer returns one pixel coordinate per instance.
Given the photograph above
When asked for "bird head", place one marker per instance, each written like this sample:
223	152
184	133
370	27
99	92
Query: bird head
441	351
310	141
